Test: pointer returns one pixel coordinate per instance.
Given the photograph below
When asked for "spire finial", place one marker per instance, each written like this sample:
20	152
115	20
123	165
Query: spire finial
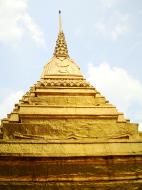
60	22
61	49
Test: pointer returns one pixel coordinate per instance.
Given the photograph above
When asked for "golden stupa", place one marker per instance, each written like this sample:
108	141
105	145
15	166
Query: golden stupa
63	134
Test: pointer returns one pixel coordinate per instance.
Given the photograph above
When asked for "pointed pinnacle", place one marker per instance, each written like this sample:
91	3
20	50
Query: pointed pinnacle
61	49
60	22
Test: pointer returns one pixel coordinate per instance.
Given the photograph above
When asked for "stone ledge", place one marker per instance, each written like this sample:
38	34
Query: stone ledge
67	150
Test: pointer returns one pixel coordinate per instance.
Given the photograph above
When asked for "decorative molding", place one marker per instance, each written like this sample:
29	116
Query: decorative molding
63	83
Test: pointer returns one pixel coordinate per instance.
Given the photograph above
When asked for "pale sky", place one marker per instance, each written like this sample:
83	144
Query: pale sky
103	36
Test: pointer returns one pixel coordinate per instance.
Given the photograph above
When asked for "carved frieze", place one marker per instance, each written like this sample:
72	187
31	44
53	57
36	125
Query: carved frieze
63	83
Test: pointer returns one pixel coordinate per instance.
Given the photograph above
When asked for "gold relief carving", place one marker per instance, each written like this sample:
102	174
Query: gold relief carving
59	66
66	129
27	136
76	135
67	66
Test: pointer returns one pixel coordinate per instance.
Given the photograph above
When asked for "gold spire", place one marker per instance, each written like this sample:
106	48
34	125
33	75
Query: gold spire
60	22
61	49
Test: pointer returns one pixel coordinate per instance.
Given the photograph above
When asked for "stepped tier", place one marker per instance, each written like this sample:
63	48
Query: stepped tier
64	107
